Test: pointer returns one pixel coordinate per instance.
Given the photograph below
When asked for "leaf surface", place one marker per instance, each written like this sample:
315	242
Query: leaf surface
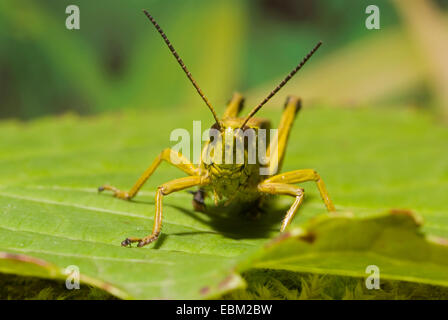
372	160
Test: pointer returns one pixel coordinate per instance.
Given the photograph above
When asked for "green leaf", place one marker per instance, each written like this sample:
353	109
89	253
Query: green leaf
344	245
370	159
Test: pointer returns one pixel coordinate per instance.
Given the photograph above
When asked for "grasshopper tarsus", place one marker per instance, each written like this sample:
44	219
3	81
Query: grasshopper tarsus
116	192
141	241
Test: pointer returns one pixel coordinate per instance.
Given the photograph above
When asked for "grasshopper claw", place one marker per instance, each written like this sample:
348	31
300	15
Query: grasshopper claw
126	243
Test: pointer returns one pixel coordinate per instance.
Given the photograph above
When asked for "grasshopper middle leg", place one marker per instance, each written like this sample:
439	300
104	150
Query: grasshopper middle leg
163	190
284	189
166	155
304	175
283	184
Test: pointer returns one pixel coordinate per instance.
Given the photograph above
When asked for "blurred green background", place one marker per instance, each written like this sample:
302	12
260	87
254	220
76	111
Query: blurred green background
118	61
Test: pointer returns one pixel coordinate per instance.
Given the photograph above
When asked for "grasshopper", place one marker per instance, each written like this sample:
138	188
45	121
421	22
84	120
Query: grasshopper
239	183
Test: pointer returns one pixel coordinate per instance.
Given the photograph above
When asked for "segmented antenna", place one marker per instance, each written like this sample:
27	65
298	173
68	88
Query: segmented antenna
277	88
184	67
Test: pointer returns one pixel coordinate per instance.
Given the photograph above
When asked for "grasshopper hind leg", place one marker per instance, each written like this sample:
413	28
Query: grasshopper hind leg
292	106
234	106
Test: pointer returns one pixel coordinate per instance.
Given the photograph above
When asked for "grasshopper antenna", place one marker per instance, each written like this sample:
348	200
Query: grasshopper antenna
184	67
284	81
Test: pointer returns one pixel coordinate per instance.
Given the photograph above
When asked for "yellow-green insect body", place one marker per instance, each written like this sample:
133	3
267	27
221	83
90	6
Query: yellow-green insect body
240	180
232	181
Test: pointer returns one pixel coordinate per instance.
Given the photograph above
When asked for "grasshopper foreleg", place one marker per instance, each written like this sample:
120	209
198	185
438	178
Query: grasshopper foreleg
284	189
167	155
282	184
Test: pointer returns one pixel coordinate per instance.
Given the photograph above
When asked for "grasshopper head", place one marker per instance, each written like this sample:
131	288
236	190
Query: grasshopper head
228	150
